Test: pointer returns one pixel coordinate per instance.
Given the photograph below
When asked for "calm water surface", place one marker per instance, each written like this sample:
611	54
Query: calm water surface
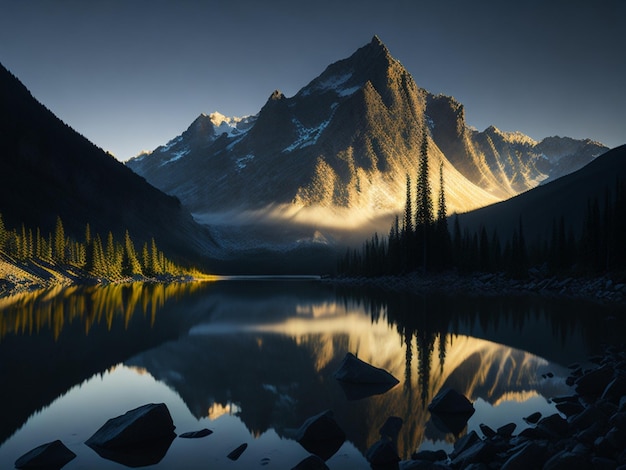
253	360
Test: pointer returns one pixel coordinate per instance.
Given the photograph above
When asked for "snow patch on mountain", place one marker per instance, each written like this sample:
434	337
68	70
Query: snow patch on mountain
231	126
176	156
243	162
306	135
170	144
334	83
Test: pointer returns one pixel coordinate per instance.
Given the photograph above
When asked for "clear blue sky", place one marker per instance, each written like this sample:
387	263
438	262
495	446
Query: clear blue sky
130	75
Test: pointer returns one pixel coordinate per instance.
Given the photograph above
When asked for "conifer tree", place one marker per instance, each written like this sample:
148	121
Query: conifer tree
3	234
424	203
130	263
59	242
424	218
407	229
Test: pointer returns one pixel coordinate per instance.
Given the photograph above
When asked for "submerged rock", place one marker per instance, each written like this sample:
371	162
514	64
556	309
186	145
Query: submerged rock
312	462
382	453
52	455
452	402
139	437
196	434
354	370
321	435
235	454
450	411
146	423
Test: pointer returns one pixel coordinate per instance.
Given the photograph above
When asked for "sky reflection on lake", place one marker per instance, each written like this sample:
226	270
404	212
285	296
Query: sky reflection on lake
251	361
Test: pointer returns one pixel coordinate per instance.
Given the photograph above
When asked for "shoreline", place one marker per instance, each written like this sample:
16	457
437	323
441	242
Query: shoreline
601	289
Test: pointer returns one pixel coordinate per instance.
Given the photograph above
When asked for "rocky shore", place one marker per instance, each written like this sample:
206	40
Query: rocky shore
604	289
588	433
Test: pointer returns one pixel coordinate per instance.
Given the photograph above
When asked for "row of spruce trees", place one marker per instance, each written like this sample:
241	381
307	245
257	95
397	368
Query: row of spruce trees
423	241
103	258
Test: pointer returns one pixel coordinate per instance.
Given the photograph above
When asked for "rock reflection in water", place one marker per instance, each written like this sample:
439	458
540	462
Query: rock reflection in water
280	372
265	352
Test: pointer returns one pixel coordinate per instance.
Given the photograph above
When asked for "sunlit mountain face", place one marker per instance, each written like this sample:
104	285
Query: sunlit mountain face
330	164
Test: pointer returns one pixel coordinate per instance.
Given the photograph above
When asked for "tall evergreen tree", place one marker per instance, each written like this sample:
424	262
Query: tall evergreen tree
59	242
424	205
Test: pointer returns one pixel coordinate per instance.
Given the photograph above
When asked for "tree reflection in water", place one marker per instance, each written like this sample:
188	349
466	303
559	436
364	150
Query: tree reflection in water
268	351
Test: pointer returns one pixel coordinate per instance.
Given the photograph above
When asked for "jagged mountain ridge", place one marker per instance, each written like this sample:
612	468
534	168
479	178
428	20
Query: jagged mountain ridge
347	140
49	170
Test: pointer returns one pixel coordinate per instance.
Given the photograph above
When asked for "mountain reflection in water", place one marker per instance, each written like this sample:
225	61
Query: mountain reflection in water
264	353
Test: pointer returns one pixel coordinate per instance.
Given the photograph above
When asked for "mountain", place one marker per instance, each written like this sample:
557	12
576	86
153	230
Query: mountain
566	197
335	156
49	170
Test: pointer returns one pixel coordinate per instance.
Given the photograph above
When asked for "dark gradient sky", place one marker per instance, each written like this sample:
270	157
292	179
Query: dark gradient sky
130	75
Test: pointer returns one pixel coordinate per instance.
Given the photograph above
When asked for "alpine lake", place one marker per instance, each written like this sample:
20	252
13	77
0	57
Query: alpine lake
253	359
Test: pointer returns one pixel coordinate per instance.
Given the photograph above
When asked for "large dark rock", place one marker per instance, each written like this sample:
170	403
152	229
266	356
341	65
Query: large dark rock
430	455
137	438
451	401
594	382
354	370
531	455
144	424
321	435
566	460
52	455
464	443
450	411
479	452
382	453
312	462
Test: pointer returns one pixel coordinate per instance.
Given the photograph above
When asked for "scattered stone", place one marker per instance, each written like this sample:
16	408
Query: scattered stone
140	437
531	455
481	451
321	435
533	418
146	423
430	455
196	434
615	390
452	402
235	454
566	460
52	455
506	430
594	382
487	431
464	443
382	453
312	462
356	371
554	425
450	411
569	409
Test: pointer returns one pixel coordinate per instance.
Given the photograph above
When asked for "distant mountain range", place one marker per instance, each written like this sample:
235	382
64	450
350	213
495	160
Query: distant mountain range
49	170
281	190
338	153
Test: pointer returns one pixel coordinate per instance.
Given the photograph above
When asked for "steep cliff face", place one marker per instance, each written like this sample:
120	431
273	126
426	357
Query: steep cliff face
503	163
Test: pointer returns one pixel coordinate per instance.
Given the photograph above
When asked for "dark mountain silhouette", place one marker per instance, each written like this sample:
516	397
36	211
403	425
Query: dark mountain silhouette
49	170
566	197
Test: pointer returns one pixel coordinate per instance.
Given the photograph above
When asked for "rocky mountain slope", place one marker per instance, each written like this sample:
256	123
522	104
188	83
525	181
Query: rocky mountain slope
337	153
49	170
